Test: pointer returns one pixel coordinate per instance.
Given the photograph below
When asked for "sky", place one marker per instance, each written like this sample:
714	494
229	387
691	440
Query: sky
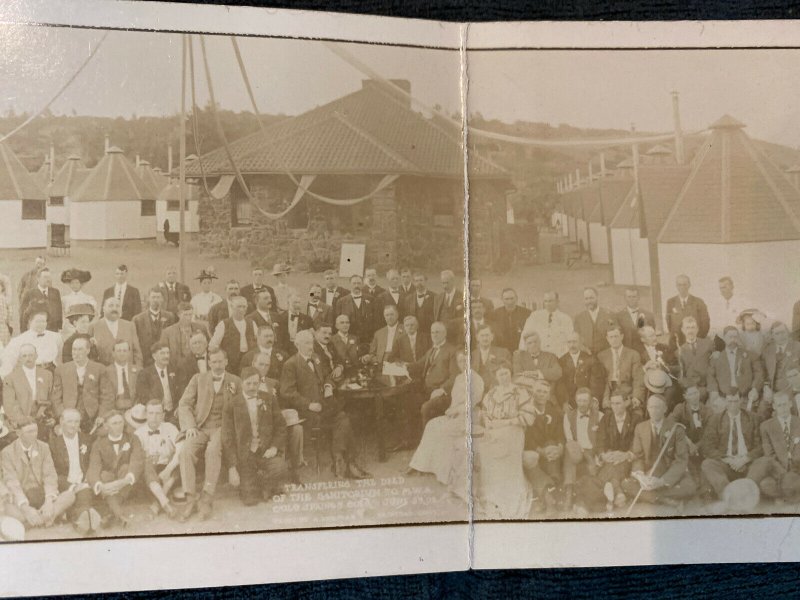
139	72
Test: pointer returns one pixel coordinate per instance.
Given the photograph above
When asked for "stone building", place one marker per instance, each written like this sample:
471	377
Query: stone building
369	144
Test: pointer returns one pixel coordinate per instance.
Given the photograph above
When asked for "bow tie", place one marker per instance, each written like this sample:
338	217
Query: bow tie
421	295
39	335
356	297
151	432
200	357
251	398
582	416
217	378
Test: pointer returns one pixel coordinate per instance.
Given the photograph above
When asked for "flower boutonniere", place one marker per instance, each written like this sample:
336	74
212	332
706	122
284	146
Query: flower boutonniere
548	419
279	356
675	309
580	362
352	342
595	428
172	374
126	446
34	453
316	359
231	387
91	377
83	448
40	379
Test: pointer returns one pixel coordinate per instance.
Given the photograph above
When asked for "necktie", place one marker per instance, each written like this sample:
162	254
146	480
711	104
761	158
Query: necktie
126	390
696	419
151	432
734	438
162	373
310	364
29	454
217	379
550	318
655	444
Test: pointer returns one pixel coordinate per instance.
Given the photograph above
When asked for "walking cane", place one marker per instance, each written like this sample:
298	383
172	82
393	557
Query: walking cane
653	468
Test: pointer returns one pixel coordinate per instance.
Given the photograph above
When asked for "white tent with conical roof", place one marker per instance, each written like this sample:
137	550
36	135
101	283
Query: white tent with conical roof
168	208
67	181
23	205
738	214
113	203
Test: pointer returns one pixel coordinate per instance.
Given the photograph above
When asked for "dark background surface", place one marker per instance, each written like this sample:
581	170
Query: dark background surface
730	581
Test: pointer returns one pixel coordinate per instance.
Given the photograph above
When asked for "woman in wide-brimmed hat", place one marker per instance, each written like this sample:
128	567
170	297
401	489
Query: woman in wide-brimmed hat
79	316
76	279
752	333
203	300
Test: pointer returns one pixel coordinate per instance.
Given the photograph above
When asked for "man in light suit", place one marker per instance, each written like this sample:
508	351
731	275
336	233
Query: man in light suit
76	384
152	322
44	295
385	341
27	392
632	318
200	412
110	329
778	471
734	371
130	302
778	358
31	478
593	323
623	369
685	305
435	371
118	382
731	442
174	291
177	335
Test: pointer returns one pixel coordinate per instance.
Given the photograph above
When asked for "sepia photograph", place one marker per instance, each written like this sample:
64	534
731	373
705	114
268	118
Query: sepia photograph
637	337
232	273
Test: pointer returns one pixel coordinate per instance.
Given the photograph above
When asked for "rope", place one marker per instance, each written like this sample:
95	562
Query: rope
60	91
587	142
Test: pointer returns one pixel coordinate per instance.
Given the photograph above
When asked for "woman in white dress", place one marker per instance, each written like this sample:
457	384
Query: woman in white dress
203	300
76	279
443	449
501	489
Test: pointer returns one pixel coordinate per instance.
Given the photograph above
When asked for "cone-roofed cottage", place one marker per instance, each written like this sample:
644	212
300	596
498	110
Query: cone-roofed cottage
23	205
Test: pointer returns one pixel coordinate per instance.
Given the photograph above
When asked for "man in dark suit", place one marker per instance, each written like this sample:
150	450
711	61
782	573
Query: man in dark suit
535	362
780	356
28	280
486	358
152	322
420	303
414	344
509	320
316	308
730	443
632	318
118	381
579	369
406	281
128	296
475	288
265	344
264	312
44	295
331	292
173	291
622	369
685	305
544	447
734	371
371	289
346	346
200	412
393	294
694	357
254	438
222	310
177	335
694	416
70	451
290	323
593	323
436	371
159	381
252	290
332	367
304	387
477	321
670	481
448	307
360	309
76	384
116	464
778	471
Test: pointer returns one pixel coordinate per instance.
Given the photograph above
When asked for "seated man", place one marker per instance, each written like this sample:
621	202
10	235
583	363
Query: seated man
177	335
158	381
70	451
162	452
780	356
27	392
304	388
734	371
196	363
346	346
544	448
730	443
535	362
294	427
254	437
579	370
660	458
200	411
31	479
76	384
115	465
623	369
581	425
486	356
436	372
694	416
385	340
265	344
778	471
118	381
694	357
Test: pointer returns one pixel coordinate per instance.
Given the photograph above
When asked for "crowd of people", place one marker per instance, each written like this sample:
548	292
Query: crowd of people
102	401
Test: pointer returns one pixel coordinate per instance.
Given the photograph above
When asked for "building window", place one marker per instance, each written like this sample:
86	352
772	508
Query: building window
33	210
148	208
241	209
443	212
56	201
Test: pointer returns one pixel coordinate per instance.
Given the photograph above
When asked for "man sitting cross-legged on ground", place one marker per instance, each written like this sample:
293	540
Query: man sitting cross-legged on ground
115	465
778	471
31	478
544	448
254	436
162	449
660	458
